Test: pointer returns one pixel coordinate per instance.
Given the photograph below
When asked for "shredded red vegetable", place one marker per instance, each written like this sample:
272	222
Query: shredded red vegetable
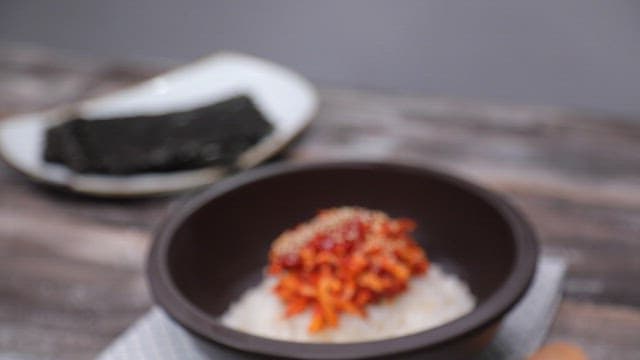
343	260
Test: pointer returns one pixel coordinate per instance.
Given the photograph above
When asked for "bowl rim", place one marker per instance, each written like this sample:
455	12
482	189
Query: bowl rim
166	294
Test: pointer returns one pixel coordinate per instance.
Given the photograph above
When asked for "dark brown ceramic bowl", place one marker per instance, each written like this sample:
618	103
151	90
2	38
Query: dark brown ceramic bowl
214	248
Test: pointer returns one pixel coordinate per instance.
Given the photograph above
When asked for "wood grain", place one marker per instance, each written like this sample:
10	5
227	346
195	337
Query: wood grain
72	266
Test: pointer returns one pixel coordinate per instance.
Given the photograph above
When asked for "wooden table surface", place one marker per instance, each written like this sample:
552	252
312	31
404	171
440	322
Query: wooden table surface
71	267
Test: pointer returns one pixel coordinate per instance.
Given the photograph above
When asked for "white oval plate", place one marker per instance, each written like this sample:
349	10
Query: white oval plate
286	99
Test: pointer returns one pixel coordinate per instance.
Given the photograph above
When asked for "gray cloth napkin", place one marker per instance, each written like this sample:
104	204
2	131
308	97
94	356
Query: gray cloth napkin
155	336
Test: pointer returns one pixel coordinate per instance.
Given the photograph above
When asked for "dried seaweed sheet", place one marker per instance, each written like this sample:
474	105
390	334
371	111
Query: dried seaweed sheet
211	135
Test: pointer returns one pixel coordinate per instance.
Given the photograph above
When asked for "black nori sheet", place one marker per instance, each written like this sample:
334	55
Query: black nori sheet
211	135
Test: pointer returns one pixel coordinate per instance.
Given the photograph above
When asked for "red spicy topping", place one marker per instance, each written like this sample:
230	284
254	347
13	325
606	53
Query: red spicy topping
341	261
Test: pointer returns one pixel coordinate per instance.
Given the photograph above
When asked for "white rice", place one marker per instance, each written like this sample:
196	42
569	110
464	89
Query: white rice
431	300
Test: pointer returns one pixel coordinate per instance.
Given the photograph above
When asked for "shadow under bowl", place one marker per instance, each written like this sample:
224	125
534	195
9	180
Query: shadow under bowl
215	247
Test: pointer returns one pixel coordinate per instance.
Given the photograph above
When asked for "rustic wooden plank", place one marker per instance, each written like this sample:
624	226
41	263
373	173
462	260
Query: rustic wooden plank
68	287
72	269
75	263
604	331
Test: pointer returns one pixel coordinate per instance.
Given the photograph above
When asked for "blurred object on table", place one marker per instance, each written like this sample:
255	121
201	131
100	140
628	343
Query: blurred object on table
559	351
